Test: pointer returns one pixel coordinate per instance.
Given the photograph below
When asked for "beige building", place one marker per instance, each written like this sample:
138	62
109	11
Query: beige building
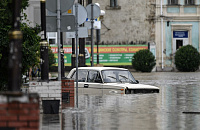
125	22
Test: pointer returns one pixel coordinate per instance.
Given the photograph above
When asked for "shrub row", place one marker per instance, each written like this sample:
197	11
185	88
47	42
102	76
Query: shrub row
187	59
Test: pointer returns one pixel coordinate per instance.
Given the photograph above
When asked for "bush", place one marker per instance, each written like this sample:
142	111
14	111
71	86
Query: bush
187	59
144	61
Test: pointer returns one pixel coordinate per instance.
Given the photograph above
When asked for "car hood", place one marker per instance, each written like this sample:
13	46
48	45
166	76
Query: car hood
131	86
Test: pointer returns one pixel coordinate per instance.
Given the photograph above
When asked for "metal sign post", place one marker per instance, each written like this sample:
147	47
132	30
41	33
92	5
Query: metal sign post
93	12
92	40
62	6
76	33
80	17
58	39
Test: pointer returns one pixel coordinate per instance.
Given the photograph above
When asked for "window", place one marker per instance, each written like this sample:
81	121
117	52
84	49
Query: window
189	2
52	37
113	76
113	3
81	75
172	2
94	77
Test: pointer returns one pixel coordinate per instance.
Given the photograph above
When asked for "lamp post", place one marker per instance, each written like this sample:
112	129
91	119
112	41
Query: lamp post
15	54
98	36
44	45
62	57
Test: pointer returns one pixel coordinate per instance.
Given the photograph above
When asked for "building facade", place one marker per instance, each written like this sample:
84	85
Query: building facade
177	24
124	22
127	21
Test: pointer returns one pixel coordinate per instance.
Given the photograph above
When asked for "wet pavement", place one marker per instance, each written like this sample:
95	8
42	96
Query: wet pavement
176	107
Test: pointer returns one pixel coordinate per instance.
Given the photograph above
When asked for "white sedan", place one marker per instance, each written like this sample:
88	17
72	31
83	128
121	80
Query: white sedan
109	80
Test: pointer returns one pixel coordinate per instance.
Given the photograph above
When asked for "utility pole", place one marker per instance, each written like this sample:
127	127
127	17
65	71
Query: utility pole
44	46
15	53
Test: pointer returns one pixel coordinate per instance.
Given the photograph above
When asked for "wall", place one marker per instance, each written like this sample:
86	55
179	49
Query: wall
48	91
133	22
19	111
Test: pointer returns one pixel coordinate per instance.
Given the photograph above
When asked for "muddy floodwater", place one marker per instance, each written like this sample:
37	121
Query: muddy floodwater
176	107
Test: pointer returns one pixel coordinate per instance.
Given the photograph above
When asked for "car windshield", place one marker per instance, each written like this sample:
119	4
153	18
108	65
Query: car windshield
113	76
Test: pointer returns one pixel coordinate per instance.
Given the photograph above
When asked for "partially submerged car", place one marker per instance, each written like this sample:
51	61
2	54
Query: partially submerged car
109	80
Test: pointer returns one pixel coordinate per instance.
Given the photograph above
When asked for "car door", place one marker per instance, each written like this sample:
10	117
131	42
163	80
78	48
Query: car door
82	75
93	84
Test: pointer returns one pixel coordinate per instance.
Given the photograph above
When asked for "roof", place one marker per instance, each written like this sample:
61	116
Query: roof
101	68
95	68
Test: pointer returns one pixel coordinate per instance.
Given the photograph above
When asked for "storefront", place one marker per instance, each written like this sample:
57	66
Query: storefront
180	38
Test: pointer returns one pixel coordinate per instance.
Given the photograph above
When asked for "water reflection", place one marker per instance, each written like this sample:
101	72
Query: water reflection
179	92
50	121
114	112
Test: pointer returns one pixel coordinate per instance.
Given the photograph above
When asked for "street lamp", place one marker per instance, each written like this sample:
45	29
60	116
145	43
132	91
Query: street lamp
44	44
15	54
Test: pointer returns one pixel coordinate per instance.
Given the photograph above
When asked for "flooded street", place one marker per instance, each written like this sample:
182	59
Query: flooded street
176	107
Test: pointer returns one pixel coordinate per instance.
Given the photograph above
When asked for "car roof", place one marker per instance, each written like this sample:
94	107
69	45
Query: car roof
101	68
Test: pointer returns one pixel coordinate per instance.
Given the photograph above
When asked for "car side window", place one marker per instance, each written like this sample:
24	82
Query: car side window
81	75
94	77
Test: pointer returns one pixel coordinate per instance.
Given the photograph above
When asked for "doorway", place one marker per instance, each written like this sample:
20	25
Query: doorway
179	43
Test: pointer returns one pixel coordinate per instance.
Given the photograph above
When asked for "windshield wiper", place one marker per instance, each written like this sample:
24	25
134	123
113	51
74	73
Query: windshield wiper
114	78
128	79
123	76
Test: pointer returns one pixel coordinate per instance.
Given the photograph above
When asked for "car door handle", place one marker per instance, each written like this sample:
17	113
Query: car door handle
86	85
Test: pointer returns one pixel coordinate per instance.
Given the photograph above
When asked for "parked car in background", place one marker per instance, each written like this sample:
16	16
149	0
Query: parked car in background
109	80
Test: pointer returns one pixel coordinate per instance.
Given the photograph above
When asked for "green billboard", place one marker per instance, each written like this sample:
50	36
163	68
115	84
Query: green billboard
109	55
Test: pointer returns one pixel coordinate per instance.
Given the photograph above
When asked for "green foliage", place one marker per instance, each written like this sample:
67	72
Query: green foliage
187	59
30	46
52	59
144	61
